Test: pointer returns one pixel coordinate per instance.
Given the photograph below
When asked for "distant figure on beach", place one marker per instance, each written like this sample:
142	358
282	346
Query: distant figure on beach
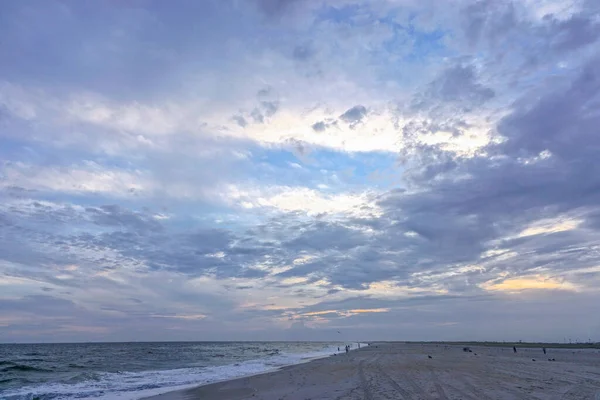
515	349
544	349
347	349
338	348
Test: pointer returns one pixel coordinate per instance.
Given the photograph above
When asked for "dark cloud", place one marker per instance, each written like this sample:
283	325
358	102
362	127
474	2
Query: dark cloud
257	116
276	8
264	92
116	216
42	304
303	53
240	120
299	147
132	60
496	25
323	236
269	107
354	115
459	83
322	126
266	109
489	20
137	301
319	126
578	31
563	122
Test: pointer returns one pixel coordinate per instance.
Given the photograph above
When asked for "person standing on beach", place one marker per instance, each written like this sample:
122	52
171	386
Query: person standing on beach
514	349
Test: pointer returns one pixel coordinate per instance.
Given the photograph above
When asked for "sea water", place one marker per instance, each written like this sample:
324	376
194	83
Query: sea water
111	371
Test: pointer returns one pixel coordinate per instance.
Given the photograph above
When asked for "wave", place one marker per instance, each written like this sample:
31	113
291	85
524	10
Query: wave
76	366
134	385
83	377
6	362
21	381
25	368
33	354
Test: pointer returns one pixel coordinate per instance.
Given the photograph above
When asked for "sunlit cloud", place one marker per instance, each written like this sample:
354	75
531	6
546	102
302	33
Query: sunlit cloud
343	313
87	178
300	199
535	282
550	226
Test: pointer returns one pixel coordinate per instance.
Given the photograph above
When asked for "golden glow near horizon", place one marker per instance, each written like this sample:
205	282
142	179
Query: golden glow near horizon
535	282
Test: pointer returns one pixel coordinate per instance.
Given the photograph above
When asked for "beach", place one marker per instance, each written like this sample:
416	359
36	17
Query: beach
420	371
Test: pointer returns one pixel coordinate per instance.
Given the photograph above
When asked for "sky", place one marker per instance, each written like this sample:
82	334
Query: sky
299	170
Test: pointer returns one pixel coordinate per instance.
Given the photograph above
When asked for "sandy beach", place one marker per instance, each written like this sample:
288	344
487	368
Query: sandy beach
415	371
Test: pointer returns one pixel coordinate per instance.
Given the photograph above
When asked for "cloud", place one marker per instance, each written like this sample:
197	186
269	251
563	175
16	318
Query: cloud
114	215
282	169
241	121
303	52
319	126
274	8
316	203
89	177
354	115
528	283
578	31
458	83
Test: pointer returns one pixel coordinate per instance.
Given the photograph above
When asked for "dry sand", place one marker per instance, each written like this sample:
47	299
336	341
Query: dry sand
404	371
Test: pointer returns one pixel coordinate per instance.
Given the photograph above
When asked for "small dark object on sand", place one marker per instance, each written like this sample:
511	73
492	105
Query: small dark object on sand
475	353
429	357
466	349
533	359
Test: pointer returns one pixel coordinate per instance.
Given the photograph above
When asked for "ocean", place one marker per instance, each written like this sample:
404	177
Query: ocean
111	371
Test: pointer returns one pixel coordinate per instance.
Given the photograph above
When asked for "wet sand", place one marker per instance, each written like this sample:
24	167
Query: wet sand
405	371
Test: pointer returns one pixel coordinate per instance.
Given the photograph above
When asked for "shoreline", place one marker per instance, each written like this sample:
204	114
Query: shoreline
410	370
179	393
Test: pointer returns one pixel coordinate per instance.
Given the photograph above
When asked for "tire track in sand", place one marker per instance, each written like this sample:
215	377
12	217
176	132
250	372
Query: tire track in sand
475	390
363	382
403	392
463	395
438	386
